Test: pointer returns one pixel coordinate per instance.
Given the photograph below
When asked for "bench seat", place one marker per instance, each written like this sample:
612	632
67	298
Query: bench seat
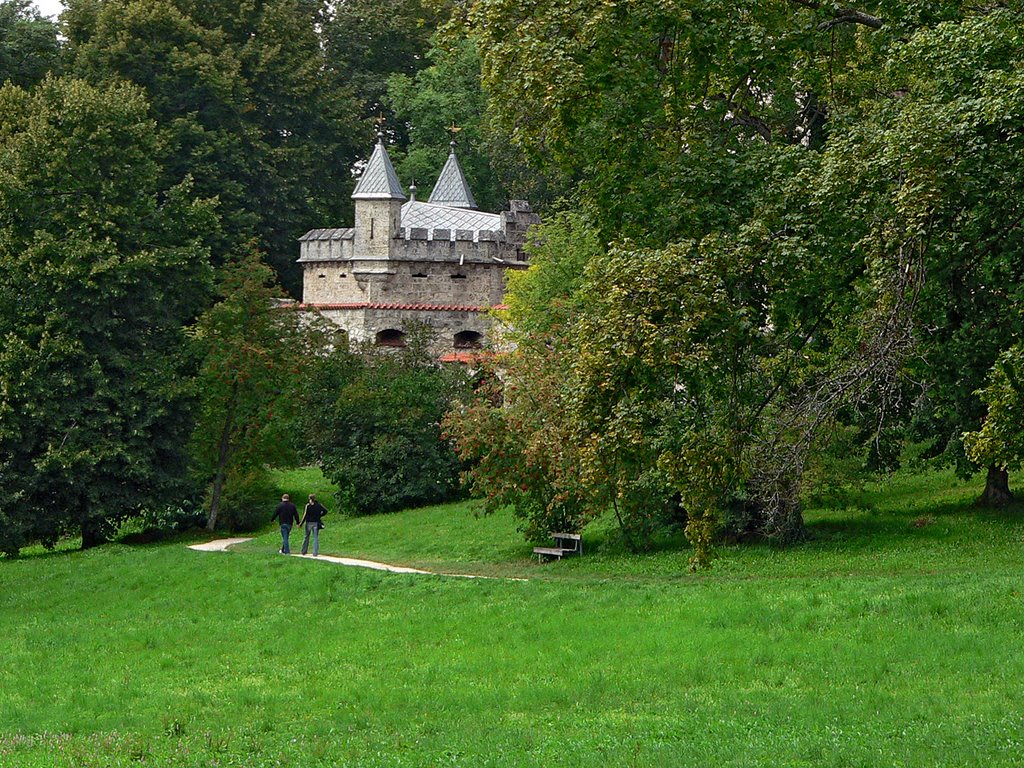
565	544
550	551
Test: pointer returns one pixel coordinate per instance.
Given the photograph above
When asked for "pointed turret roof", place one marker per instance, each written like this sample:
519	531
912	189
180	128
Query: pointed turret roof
379	180
452	189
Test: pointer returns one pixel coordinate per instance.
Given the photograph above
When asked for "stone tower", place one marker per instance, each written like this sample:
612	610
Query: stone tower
379	199
439	263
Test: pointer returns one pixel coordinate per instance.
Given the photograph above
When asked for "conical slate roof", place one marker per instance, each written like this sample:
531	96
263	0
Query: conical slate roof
452	189
379	180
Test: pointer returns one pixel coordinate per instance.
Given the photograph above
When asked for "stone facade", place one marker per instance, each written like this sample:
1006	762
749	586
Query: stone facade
439	263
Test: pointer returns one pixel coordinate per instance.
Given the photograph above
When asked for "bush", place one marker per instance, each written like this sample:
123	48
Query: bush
247	502
155	524
373	425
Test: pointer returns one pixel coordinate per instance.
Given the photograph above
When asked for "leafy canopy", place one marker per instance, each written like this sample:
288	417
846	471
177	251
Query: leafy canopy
100	267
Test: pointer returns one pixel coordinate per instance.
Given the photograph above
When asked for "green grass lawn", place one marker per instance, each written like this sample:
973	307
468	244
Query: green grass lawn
891	638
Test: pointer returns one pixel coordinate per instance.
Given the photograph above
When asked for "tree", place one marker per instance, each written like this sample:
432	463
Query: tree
373	425
100	267
252	355
654	107
923	190
369	41
513	433
28	44
848	178
446	93
999	443
246	101
970	183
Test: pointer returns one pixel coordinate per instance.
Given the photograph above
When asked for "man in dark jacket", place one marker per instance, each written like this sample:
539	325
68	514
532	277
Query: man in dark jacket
287	514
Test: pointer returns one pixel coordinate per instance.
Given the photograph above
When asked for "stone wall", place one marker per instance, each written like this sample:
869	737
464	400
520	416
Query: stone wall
410	282
376	227
366	323
453	271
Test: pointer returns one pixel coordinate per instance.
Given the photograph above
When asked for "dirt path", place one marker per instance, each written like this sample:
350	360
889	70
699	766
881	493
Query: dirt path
221	545
217	545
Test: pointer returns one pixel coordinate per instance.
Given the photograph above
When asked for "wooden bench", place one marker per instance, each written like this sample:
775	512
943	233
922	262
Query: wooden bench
565	544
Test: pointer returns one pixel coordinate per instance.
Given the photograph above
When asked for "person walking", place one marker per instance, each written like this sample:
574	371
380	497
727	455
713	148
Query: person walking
313	516
287	514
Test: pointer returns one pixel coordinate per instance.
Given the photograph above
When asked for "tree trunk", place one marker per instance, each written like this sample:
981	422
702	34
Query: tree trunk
782	517
218	487
783	522
997	489
92	534
223	454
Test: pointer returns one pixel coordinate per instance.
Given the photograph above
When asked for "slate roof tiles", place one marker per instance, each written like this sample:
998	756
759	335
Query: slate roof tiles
452	189
379	180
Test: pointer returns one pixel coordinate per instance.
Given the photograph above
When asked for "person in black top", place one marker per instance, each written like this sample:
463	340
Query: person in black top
312	516
287	514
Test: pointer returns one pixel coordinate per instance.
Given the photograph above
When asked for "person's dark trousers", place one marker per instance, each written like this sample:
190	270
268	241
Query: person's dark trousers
286	530
312	528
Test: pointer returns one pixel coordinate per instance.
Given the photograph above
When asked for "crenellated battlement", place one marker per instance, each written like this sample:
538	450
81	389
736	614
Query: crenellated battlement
404	253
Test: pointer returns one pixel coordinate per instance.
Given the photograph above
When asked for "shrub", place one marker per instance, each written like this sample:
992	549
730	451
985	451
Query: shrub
248	501
373	425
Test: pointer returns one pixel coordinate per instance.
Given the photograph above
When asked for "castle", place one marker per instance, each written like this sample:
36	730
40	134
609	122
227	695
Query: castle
439	263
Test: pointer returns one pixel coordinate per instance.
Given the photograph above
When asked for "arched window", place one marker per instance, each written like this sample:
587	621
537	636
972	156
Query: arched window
468	340
390	338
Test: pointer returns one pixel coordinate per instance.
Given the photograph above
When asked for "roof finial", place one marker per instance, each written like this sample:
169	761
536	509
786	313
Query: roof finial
453	129
380	120
452	189
378	181
412	191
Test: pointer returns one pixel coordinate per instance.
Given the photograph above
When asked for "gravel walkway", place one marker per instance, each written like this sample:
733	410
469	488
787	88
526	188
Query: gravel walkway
221	545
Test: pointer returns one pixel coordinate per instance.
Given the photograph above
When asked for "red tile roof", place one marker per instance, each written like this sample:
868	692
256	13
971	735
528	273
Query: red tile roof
416	307
465	357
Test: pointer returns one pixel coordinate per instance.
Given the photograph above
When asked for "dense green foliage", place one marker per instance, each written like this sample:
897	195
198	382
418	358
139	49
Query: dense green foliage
512	434
372	422
445	101
889	639
1000	441
245	101
260	110
28	44
796	234
100	267
253	354
370	41
813	229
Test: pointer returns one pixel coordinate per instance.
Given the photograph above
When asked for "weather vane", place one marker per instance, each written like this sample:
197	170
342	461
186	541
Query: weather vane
453	131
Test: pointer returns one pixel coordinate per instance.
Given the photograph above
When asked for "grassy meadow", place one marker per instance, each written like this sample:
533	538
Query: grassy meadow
891	638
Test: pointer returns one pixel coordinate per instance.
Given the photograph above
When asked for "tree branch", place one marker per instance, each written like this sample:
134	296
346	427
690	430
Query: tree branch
850	16
842	16
744	118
